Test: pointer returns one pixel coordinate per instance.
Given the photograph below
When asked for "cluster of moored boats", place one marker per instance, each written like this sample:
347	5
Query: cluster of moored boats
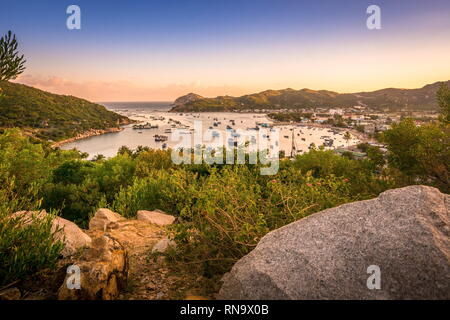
169	125
145	126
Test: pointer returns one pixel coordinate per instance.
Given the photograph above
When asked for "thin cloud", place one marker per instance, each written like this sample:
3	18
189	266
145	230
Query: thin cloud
123	90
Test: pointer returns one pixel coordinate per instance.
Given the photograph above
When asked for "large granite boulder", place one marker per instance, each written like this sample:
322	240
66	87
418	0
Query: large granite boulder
157	217
336	253
105	219
64	230
103	271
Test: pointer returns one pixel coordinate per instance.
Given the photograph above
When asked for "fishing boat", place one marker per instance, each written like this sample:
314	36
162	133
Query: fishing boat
328	142
160	138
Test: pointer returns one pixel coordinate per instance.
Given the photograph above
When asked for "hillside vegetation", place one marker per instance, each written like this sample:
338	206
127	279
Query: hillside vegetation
50	116
390	99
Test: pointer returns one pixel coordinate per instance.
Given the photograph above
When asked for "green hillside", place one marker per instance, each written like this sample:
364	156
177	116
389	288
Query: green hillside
390	99
50	116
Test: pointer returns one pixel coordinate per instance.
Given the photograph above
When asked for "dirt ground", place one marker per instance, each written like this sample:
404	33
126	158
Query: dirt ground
150	276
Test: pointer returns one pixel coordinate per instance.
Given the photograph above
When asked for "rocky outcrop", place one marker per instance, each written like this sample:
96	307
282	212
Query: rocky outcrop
187	98
103	272
112	251
105	219
157	217
337	253
119	249
64	230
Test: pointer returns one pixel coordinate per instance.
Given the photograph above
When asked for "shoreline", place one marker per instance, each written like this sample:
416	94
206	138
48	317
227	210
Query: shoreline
360	135
131	140
87	134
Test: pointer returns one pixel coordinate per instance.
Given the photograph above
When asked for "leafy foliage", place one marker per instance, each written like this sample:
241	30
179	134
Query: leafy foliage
420	154
443	97
11	63
24	248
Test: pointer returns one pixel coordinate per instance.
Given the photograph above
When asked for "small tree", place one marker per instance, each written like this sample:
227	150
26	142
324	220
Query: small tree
443	97
11	64
347	137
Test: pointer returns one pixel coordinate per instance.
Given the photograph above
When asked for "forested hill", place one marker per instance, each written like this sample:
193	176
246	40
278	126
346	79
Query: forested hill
390	99
51	116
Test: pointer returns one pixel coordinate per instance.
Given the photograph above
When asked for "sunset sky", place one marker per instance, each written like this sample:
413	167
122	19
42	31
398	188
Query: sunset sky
158	50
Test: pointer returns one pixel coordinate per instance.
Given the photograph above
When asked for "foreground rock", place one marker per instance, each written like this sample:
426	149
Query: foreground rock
157	217
103	272
105	219
405	232
64	230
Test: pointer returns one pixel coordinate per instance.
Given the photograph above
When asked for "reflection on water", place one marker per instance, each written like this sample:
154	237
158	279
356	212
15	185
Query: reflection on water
109	143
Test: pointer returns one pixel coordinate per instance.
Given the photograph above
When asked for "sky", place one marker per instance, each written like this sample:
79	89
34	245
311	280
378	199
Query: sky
158	50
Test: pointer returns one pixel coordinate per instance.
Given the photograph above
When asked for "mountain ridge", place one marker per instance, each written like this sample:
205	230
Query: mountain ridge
387	99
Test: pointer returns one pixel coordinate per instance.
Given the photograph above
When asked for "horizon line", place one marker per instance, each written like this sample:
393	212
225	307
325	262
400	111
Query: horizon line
171	101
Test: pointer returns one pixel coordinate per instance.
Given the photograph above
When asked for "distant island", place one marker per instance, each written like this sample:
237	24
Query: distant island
52	117
387	100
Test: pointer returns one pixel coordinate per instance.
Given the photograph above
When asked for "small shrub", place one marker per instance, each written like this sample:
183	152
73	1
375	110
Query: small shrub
169	191
24	248
234	208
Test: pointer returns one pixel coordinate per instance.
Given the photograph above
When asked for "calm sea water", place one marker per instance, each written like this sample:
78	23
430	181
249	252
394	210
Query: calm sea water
108	144
139	106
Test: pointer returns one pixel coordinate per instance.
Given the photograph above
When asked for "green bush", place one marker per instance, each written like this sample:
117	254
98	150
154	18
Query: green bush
234	207
24	248
169	191
74	202
420	154
366	177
